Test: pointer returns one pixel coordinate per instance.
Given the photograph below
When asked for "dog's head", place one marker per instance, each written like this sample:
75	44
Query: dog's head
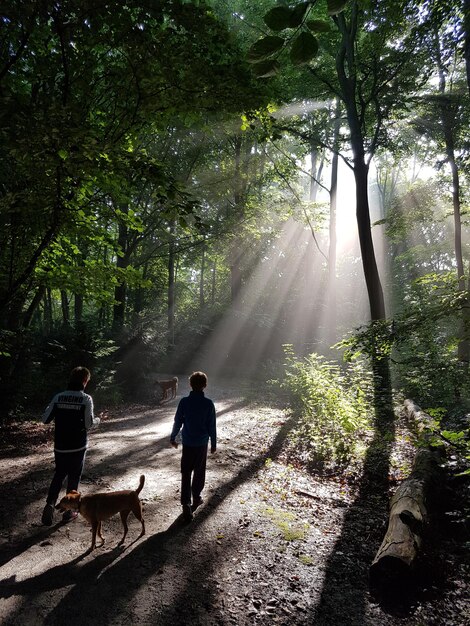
70	502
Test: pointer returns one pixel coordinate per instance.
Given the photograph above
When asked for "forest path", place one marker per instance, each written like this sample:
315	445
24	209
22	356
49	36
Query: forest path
267	547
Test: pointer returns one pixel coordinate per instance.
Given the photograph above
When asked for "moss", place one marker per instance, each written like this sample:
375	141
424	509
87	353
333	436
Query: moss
287	523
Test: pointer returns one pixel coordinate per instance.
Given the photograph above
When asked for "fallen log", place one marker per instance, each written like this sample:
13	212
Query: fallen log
411	510
425	426
422	424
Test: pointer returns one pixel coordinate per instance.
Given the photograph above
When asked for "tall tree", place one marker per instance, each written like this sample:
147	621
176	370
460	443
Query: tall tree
365	59
369	68
444	121
466	27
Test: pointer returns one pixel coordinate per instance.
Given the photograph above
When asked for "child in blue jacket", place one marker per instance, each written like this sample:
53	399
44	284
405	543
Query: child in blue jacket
196	415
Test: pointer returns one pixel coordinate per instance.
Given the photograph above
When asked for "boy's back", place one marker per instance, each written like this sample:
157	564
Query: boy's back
196	414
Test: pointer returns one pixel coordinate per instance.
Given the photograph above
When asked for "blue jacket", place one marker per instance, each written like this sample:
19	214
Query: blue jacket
196	414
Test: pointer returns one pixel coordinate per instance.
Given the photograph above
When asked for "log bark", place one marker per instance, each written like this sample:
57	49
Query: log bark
411	512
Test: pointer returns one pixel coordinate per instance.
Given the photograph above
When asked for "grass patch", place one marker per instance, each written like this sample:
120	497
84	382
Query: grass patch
287	524
306	559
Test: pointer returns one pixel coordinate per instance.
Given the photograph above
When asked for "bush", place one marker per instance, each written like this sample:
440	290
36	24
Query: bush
332	406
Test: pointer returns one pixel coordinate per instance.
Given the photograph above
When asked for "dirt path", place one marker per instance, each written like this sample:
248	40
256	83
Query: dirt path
270	545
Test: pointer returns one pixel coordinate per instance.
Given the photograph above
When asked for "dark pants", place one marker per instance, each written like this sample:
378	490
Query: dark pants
193	461
70	465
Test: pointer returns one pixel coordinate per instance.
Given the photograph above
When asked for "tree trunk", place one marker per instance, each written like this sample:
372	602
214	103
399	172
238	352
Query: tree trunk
31	310
16	285
78	309
235	276
139	297
201	280
466	10
119	309
447	120
78	299
239	191
64	301
369	263
213	282
102	316
463	349
315	172
48	319
410	514
171	287
332	230
348	81
346	67
120	291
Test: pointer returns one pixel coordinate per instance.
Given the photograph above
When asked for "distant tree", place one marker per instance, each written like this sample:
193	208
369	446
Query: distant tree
444	121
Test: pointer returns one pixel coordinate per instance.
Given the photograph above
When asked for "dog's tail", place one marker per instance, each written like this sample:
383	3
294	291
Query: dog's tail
175	379
141	484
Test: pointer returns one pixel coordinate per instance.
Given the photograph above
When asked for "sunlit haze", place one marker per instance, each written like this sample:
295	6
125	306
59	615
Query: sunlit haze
285	298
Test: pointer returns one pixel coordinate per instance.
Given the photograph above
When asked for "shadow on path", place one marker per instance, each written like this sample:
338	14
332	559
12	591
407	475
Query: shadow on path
345	587
59	576
12	550
104	589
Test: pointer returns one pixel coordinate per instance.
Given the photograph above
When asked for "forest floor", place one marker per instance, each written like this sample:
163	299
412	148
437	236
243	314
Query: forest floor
272	543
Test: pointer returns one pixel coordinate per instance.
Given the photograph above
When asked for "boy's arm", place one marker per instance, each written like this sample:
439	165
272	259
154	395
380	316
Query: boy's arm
90	419
48	414
213	429
178	422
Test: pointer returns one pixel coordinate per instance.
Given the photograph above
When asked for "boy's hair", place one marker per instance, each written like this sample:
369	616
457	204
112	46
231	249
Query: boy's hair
198	381
79	376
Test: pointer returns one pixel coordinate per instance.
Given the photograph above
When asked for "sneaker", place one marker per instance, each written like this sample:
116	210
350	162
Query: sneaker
68	516
187	513
47	515
197	503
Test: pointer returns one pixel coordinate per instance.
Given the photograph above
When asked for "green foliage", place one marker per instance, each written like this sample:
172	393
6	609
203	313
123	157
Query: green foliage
282	17
304	48
333	407
318	26
425	337
83	85
278	18
450	429
302	44
421	341
336	6
265	48
264	69
375	340
287	524
118	153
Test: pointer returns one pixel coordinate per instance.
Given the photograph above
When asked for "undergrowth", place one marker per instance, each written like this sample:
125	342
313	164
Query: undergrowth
333	406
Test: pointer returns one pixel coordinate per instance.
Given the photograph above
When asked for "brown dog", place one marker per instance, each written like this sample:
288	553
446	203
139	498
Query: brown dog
167	386
100	506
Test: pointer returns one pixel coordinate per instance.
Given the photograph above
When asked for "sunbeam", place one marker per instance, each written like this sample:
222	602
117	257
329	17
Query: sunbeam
285	298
